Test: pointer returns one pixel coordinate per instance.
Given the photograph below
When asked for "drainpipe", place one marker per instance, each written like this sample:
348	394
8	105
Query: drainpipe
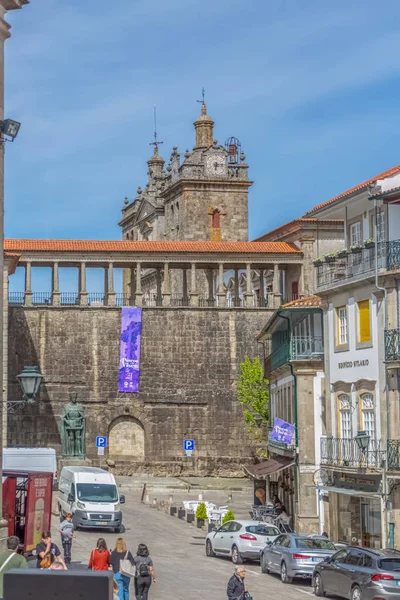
296	431
389	535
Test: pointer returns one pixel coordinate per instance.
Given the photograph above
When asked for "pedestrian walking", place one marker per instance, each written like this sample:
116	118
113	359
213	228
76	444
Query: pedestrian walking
10	559
67	535
237	589
120	553
44	549
145	574
99	557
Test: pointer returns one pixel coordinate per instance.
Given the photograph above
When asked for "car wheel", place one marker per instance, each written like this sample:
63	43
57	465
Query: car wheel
209	551
264	564
318	586
284	574
236	556
356	593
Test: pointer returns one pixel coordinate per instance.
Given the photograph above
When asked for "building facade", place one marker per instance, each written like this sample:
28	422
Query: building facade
294	352
358	284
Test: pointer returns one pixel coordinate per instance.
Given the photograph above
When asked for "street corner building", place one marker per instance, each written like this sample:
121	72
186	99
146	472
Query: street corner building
202	290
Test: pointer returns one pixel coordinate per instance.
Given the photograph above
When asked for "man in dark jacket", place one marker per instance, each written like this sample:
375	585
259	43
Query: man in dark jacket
236	588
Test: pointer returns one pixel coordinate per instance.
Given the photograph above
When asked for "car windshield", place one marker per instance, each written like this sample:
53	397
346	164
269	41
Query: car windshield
315	543
390	564
97	492
262	530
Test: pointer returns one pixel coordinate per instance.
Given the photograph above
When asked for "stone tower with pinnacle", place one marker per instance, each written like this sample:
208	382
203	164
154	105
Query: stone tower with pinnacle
202	196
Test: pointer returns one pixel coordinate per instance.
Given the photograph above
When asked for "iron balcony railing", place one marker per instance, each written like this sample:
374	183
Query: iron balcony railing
392	344
297	348
121	300
16	298
346	453
69	298
393	455
357	265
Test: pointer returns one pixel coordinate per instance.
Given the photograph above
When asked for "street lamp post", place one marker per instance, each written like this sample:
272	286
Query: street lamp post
362	440
29	381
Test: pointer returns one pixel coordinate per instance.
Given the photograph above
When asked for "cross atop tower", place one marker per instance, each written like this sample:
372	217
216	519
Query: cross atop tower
203	95
155	143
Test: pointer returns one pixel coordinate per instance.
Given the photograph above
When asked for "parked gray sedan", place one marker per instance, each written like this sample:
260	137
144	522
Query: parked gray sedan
359	573
294	555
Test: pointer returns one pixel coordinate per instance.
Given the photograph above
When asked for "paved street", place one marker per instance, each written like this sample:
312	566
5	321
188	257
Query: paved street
183	571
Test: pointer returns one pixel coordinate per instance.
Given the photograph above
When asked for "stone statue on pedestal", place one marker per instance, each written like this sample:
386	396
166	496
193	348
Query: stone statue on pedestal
73	428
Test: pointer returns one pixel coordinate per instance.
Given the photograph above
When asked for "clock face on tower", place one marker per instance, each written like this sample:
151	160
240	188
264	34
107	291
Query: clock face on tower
216	164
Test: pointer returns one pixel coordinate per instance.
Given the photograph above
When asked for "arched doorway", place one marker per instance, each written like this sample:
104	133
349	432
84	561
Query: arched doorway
126	438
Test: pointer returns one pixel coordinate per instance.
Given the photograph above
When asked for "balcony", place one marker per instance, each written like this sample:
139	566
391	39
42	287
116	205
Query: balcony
392	344
298	348
346	453
393	455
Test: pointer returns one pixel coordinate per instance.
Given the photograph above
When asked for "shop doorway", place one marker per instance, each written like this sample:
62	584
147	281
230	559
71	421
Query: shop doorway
359	521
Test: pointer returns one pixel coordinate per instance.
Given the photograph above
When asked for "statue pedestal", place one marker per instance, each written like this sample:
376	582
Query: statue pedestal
73	462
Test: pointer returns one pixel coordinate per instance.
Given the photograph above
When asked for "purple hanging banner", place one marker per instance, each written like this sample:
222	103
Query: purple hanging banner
129	358
282	432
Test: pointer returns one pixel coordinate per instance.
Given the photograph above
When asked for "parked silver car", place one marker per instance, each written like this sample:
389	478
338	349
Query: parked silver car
294	555
240	540
359	573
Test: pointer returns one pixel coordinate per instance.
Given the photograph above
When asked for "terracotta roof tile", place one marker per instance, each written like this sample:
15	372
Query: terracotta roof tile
360	186
150	246
309	301
300	221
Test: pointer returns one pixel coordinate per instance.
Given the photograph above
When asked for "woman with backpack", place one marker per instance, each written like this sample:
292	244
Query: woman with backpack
119	555
144	572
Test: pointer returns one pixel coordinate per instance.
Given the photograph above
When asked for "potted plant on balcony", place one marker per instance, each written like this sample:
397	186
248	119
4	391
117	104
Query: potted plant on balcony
369	243
342	253
356	249
201	515
318	262
331	257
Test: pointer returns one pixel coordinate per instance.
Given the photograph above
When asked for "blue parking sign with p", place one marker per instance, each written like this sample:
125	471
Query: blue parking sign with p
188	444
101	441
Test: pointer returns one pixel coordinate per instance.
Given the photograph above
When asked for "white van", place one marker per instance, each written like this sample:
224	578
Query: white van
31	460
92	496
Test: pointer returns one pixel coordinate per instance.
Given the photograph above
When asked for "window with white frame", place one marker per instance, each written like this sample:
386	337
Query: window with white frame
346	430
368	414
380	225
342	335
355	234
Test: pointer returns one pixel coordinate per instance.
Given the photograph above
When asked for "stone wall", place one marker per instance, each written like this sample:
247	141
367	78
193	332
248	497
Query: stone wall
189	368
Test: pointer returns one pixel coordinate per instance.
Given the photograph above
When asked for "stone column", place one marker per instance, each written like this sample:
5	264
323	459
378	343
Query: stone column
262	293
249	294
185	298
301	281
105	286
4	34
221	293
55	291
132	285
166	290
110	287
236	301
138	291
194	296
275	287
83	295
210	281
158	287
28	285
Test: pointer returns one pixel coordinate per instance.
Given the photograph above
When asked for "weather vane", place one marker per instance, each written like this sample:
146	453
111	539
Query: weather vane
203	93
155	143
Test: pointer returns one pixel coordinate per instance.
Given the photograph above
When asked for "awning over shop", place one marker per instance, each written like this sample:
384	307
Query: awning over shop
267	467
358	493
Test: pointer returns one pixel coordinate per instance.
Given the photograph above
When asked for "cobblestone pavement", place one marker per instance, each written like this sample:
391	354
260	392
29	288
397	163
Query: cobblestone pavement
183	571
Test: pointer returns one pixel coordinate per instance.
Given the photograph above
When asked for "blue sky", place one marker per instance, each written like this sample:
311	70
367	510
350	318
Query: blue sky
310	88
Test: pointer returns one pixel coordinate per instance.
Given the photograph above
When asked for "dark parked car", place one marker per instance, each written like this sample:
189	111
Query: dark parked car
359	574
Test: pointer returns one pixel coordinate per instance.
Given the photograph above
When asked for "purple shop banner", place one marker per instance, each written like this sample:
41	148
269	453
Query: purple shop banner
282	432
129	358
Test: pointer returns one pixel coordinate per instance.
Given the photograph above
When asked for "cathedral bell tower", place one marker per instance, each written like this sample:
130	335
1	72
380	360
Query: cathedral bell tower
204	126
